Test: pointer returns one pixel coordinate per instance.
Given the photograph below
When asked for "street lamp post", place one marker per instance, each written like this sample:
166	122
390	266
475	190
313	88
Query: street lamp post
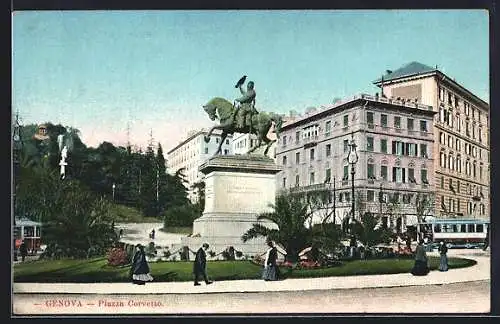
114	186
17	143
353	158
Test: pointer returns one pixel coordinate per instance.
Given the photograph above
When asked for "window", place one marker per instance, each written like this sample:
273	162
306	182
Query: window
411	149
297	180
459	122
370	195
450	98
397	147
457	144
423	126
451	163
226	151
284	160
311	154
216	140
471	228
328	175
346	120
346	172
297	137
371	171
411	175
397	122
297	158
423	176
284	182
383	172
480	173
383	120
369	144
479	228
467	129
423	150
442	182
328	127
346	146
442	114
369	118
450	141
328	150
480	135
410	124
206	150
383	145
442	138
311	178
227	142
397	174
442	159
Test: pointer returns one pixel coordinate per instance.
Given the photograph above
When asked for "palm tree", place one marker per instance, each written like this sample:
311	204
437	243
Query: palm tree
290	213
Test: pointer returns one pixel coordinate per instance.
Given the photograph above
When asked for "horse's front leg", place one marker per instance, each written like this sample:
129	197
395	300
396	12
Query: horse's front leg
206	138
222	139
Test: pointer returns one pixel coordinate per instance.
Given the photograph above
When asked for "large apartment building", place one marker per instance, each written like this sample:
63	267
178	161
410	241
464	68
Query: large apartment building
394	146
461	137
193	152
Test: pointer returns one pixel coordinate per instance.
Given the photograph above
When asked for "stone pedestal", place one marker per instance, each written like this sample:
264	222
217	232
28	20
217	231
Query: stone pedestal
237	189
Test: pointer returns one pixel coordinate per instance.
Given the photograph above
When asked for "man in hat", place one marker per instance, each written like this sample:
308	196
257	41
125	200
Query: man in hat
200	265
247	104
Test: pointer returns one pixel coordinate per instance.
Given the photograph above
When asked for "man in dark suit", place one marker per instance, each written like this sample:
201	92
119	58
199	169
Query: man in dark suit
200	265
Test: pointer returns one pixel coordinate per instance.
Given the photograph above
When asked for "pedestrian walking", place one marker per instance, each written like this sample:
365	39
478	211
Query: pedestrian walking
443	261
270	272
140	268
200	265
23	250
152	235
421	267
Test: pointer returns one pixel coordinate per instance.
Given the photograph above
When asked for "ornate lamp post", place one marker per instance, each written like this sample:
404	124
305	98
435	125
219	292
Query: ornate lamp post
353	158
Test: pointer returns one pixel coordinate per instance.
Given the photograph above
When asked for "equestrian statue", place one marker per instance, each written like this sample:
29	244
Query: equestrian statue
242	117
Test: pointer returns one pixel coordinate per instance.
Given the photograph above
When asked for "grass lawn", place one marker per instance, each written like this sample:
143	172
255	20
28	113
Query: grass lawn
177	229
97	270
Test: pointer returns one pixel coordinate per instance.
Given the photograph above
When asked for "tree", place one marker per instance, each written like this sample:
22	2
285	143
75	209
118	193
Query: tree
80	223
290	214
424	206
370	231
199	190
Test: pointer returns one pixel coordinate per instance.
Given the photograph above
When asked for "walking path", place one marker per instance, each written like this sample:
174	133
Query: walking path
480	271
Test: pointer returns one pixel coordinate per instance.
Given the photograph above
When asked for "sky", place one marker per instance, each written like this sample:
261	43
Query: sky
104	72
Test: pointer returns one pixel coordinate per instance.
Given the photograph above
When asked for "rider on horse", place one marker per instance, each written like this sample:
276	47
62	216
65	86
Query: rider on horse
246	105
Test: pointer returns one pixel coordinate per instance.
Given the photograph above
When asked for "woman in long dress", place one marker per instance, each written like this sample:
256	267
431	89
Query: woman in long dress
270	272
443	261
420	267
140	267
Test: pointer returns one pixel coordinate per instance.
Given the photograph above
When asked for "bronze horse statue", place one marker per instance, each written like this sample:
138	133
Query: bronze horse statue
230	123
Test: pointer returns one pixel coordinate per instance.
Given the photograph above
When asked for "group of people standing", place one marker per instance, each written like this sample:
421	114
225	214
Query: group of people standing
421	266
140	271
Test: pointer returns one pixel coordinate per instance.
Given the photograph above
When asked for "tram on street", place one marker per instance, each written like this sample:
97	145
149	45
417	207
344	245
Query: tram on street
457	233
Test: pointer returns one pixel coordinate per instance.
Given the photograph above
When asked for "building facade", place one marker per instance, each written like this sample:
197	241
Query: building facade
461	137
193	152
394	146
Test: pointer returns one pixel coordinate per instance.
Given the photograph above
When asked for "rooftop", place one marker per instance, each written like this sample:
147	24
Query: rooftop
413	68
344	102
